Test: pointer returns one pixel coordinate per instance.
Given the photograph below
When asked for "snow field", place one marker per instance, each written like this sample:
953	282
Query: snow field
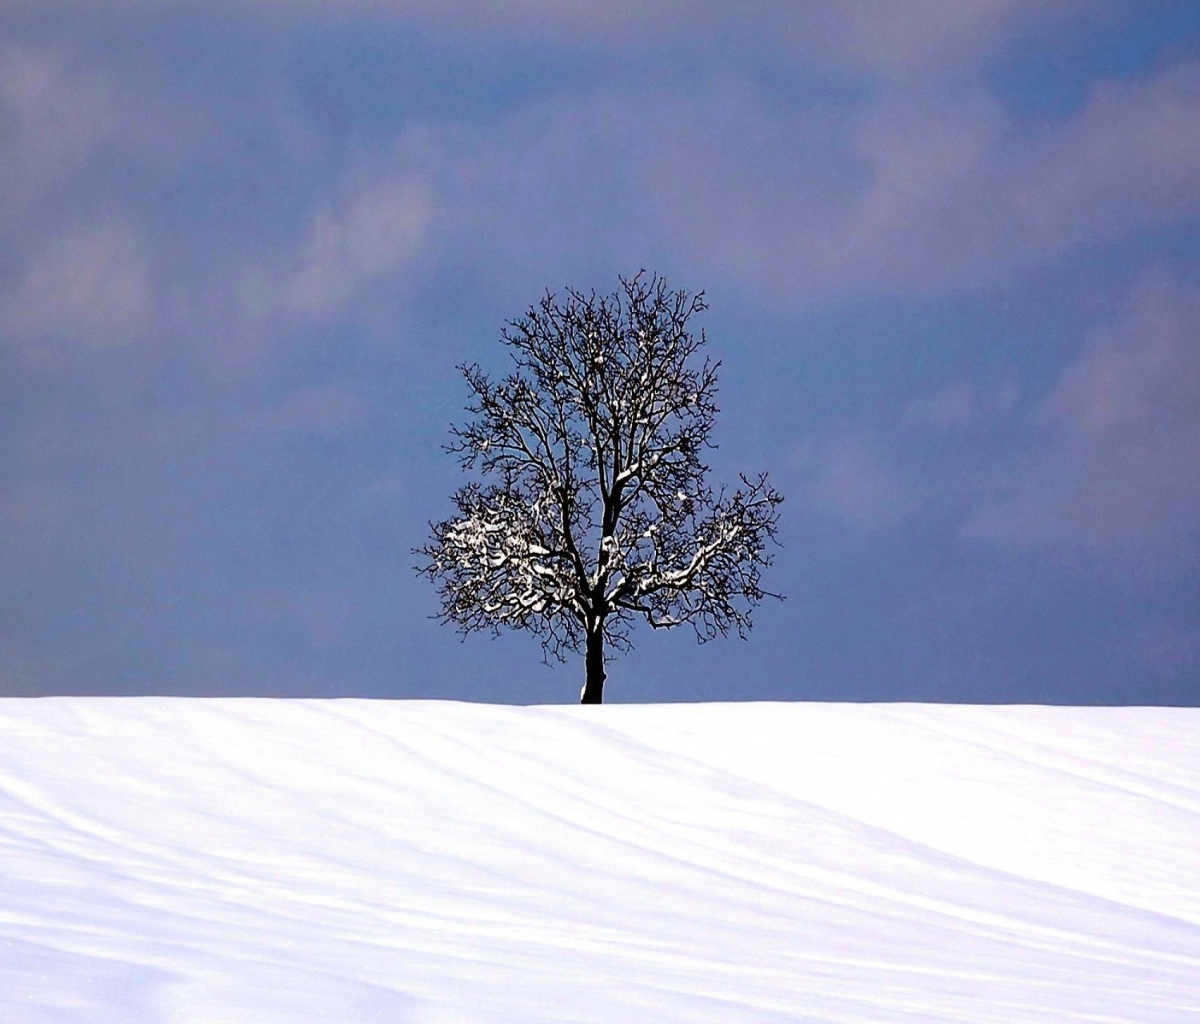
285	861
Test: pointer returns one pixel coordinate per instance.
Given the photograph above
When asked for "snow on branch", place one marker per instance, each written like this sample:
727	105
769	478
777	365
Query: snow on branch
711	577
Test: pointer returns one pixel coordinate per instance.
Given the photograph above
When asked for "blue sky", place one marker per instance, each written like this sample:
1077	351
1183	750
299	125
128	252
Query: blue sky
952	254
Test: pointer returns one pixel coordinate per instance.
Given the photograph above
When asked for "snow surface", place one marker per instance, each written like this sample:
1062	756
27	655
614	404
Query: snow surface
344	862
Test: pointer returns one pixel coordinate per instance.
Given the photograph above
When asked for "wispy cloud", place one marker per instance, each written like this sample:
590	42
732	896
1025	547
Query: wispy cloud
91	286
923	34
1116	467
962	404
370	231
915	193
889	36
52	119
905	191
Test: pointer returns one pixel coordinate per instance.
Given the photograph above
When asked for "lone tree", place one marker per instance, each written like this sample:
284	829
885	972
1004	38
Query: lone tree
598	512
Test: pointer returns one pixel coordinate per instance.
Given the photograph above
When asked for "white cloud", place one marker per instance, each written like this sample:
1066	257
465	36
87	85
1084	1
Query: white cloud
91	285
879	35
372	232
51	120
1131	159
914	193
913	34
905	193
1117	463
961	404
345	262
571	19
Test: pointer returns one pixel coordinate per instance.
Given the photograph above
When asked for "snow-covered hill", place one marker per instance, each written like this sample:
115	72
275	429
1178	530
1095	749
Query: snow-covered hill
346	862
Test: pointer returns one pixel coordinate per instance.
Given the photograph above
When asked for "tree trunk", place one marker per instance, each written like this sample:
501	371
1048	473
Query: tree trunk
593	687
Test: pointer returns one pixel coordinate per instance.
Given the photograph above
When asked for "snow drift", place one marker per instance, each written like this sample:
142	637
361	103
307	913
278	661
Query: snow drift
272	861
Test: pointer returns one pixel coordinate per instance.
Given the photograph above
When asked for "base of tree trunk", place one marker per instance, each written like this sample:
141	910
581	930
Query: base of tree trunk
593	687
592	693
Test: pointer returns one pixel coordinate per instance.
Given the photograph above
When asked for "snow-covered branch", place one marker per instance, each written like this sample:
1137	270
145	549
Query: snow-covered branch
501	562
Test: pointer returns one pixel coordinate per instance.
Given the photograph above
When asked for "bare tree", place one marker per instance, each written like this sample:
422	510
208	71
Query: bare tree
598	513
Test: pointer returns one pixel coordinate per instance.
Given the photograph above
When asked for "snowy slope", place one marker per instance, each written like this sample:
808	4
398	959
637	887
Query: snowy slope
264	861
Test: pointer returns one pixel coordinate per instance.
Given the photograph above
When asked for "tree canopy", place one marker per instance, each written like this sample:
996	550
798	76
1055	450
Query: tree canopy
593	509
